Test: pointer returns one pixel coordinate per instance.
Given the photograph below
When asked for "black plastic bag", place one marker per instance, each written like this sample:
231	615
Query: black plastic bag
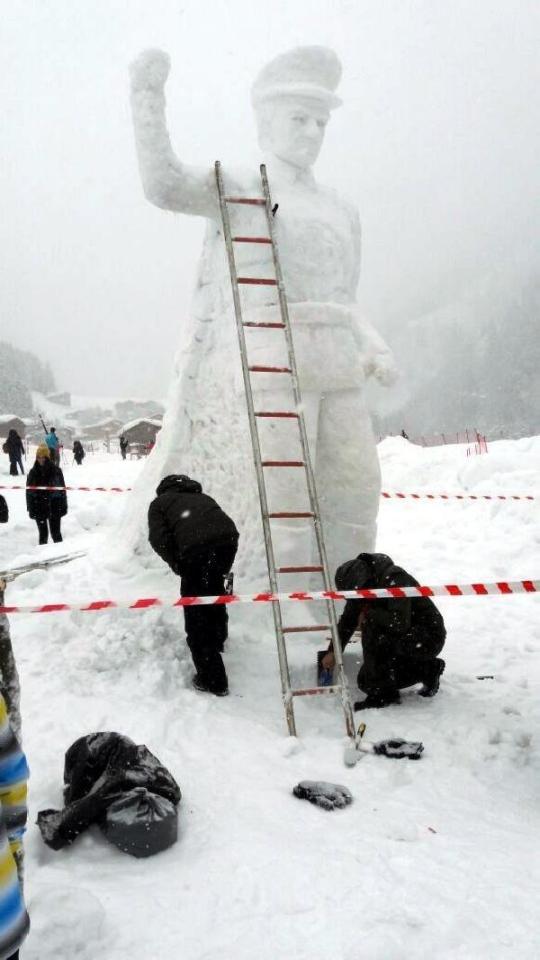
100	769
141	823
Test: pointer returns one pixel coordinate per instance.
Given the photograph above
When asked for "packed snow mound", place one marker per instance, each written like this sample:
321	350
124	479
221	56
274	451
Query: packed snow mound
254	871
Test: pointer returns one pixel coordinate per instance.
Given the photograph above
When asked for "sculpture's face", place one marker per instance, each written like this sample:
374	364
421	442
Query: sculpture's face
292	128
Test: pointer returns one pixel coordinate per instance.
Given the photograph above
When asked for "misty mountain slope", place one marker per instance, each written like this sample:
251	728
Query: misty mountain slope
21	372
471	364
433	859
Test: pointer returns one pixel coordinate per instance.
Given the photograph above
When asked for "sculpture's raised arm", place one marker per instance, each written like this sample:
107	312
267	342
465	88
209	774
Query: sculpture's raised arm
167	182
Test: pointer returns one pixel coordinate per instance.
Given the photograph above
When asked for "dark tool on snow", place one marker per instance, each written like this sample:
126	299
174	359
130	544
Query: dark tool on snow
325	677
329	796
43	423
396	749
275	209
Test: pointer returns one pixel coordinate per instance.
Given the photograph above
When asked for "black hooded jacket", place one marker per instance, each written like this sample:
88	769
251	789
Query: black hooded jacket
183	521
389	617
14	445
42	503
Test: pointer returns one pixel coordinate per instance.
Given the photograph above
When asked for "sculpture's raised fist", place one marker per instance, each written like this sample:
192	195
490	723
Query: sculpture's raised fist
150	70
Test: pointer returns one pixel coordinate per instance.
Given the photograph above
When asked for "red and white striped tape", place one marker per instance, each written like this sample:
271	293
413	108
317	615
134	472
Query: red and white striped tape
85	489
459	496
501	588
388	494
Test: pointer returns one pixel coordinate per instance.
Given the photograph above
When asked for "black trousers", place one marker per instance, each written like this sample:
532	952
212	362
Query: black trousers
207	627
394	662
13	464
53	522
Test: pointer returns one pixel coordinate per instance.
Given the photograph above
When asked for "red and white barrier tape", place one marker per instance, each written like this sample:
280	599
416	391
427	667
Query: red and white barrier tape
501	588
459	496
387	494
84	489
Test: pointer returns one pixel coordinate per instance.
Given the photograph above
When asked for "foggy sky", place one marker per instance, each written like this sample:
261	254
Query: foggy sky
437	142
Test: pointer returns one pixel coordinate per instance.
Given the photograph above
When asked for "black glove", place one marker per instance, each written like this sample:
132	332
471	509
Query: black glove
399	749
322	794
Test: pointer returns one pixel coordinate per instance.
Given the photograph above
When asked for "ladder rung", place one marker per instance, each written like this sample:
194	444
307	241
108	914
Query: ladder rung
300	569
277	414
264	281
282	463
290	516
251	239
258	201
309	691
269	369
312	629
272	326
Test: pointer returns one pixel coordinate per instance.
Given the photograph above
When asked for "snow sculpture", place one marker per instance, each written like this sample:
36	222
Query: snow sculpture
205	430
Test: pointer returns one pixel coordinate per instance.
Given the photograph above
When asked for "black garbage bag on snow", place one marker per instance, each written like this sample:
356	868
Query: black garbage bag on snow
141	823
101	770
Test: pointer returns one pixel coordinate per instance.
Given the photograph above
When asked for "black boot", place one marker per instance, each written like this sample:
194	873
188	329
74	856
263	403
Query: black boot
200	684
378	698
431	679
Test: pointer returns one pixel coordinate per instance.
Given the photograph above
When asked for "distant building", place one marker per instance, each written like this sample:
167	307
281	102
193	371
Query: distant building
103	430
9	421
63	399
141	433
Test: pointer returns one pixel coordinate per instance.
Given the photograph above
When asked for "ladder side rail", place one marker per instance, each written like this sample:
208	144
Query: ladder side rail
257	459
310	479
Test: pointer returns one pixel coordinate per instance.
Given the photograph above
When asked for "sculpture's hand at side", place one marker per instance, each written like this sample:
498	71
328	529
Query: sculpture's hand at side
378	359
149	71
384	369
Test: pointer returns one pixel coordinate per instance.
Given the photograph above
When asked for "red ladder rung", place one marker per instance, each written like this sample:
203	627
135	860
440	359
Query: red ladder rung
282	463
269	369
251	239
313	629
258	201
290	516
300	569
309	691
272	326
264	281
276	414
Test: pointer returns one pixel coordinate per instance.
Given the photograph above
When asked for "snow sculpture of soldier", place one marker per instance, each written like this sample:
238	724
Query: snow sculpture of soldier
205	430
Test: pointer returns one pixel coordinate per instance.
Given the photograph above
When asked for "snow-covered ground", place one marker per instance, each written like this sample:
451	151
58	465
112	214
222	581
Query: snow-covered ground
434	859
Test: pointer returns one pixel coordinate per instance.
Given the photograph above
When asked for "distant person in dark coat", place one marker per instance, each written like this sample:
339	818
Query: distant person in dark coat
401	639
46	507
124	444
14	448
191	532
78	452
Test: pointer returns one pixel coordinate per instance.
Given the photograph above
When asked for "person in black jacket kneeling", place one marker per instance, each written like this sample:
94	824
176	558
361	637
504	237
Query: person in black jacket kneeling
191	532
401	639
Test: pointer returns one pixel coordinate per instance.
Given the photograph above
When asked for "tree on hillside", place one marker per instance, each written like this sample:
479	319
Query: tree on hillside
20	372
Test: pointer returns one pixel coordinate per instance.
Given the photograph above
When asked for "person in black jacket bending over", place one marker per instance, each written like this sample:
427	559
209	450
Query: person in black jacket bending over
401	639
191	532
46	507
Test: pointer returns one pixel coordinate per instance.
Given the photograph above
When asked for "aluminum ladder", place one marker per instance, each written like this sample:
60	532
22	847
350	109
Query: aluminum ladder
295	416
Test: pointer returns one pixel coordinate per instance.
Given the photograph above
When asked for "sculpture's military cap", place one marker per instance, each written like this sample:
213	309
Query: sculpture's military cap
312	72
